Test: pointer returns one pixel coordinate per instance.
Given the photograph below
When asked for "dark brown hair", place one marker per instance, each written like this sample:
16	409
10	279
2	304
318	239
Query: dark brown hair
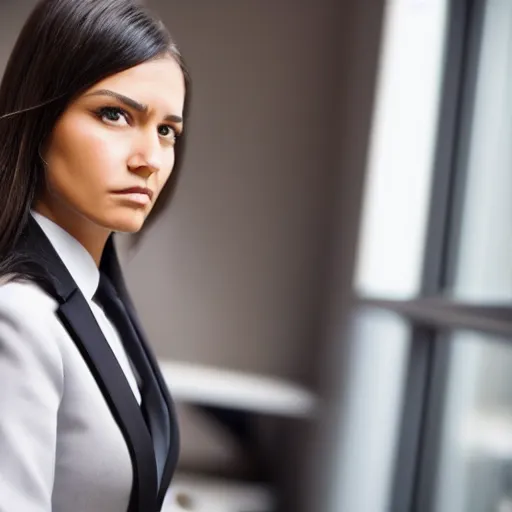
65	47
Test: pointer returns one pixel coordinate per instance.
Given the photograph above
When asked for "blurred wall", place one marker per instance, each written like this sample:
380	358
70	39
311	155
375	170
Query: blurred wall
233	269
12	15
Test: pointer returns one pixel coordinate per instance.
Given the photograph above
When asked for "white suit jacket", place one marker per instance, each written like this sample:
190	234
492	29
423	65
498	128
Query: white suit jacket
72	435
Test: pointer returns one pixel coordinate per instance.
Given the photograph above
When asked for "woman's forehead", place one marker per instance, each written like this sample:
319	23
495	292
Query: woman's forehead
158	83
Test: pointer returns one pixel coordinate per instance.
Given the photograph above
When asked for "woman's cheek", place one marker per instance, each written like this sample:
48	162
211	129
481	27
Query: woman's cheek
106	145
169	166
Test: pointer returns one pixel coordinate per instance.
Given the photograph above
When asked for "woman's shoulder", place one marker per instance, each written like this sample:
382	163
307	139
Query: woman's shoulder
29	336
27	318
25	298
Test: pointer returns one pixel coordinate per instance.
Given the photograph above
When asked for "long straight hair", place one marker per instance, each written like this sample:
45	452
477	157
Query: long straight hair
65	47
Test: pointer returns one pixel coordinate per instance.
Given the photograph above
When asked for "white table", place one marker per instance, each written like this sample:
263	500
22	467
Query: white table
190	493
237	390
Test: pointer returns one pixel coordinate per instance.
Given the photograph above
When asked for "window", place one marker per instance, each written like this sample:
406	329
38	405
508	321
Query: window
464	459
436	252
482	266
474	471
402	149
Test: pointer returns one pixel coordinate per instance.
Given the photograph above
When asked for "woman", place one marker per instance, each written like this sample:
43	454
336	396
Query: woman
92	107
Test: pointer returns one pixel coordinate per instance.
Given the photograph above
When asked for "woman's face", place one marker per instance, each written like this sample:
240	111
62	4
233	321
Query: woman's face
112	150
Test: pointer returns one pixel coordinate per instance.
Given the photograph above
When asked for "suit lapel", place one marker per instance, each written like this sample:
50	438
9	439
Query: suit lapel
171	423
77	318
110	265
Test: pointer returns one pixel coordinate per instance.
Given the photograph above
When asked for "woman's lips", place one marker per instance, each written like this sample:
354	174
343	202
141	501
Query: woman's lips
141	195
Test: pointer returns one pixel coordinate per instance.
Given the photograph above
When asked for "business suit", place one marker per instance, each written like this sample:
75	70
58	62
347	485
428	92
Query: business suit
72	434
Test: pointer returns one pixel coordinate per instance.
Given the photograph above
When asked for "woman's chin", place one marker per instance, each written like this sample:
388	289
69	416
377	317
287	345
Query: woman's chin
130	222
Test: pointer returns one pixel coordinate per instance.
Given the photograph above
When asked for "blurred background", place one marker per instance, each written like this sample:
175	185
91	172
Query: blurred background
329	293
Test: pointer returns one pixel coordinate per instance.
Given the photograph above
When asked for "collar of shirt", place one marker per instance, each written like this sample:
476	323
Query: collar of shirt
75	256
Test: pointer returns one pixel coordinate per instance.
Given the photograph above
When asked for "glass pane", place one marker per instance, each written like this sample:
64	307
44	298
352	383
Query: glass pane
475	471
402	147
367	418
483	262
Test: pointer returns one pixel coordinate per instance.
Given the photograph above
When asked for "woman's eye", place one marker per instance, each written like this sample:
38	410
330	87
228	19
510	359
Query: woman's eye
113	115
167	132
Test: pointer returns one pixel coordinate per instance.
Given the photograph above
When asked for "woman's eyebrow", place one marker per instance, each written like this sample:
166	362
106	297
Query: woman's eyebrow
139	107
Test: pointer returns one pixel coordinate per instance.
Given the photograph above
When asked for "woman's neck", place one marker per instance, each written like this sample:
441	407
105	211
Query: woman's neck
90	235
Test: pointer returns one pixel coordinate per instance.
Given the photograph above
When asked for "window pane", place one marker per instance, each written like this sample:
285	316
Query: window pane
483	267
366	426
402	146
475	471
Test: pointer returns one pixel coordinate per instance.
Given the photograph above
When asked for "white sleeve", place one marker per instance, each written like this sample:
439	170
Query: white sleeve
31	383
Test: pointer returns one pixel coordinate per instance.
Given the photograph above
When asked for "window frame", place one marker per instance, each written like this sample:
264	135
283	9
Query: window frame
432	316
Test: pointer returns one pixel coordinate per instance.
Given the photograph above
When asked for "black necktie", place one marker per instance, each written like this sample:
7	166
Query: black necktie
153	404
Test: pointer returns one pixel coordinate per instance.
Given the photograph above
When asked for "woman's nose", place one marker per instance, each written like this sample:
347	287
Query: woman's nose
146	157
